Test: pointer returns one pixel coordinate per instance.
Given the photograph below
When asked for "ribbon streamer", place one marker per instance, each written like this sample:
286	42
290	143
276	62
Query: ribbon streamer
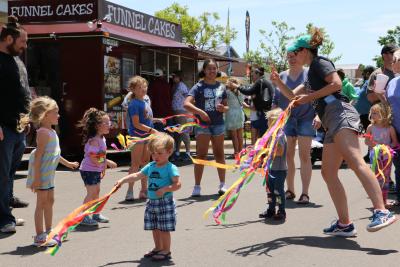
251	160
72	220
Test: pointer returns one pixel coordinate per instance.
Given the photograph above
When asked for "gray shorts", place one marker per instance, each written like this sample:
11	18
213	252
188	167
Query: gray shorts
339	115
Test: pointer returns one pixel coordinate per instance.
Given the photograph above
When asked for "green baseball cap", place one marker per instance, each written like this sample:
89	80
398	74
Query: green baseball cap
301	42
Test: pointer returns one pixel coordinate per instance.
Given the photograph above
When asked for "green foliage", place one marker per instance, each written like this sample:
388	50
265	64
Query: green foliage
255	57
392	37
202	32
275	42
327	46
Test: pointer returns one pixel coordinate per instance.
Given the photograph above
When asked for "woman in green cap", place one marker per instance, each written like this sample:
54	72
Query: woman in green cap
341	122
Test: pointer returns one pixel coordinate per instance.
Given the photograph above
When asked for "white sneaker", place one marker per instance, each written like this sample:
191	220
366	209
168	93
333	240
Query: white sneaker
19	222
39	240
196	191
8	228
129	196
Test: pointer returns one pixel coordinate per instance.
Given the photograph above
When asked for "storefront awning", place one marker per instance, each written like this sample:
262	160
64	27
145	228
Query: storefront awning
64	30
60	30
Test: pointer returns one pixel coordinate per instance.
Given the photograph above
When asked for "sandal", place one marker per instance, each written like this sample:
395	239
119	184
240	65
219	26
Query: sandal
289	194
151	253
143	194
304	199
161	257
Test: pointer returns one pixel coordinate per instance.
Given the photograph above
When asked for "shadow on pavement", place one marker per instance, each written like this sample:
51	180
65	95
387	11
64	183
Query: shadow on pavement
25	251
20	176
290	204
143	262
136	203
84	228
6	235
191	200
308	241
233	225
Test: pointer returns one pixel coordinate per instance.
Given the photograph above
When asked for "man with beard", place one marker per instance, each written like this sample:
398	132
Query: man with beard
14	101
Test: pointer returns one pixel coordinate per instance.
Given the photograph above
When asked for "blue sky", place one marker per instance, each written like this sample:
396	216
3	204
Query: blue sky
354	26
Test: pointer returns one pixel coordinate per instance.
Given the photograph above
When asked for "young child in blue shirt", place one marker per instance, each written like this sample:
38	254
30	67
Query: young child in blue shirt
163	179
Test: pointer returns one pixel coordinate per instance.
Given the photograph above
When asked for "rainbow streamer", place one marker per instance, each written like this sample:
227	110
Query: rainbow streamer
381	153
251	160
72	220
127	142
181	128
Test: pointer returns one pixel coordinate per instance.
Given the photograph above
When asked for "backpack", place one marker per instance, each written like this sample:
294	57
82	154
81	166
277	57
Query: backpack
263	100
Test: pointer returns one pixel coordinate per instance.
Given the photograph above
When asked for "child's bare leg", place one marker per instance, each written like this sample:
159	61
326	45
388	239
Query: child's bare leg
157	240
41	199
92	192
145	160
136	159
165	238
48	210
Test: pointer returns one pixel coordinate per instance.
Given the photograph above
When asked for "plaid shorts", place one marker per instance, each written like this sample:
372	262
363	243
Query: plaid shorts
160	214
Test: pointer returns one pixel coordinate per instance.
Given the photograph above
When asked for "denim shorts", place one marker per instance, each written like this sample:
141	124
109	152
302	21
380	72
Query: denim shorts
298	127
91	178
213	130
160	214
260	124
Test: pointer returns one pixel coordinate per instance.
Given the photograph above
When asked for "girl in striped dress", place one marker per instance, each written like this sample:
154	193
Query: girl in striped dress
43	162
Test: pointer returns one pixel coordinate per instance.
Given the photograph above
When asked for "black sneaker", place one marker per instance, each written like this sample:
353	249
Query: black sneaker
366	158
18	203
267	214
280	216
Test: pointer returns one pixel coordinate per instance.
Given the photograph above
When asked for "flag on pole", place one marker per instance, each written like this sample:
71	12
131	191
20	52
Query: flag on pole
247	24
228	46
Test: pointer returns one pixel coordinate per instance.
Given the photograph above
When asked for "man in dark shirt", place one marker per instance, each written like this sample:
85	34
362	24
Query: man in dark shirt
387	57
14	101
261	90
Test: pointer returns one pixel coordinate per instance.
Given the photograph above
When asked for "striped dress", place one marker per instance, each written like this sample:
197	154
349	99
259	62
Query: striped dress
49	163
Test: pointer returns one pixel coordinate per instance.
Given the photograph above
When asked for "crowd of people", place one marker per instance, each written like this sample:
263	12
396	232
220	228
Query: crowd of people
322	97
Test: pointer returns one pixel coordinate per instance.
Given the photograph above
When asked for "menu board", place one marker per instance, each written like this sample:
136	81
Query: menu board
112	89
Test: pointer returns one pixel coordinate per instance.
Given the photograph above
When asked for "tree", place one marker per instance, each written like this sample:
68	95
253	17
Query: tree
392	37
201	32
327	46
275	43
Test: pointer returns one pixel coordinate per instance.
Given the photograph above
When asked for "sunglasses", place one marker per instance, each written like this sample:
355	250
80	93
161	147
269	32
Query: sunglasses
295	52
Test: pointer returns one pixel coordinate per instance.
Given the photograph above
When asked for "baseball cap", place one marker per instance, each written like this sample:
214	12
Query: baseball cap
301	42
158	73
389	48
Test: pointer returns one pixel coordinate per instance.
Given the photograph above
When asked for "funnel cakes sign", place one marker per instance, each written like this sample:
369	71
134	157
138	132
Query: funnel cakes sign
46	10
133	19
36	11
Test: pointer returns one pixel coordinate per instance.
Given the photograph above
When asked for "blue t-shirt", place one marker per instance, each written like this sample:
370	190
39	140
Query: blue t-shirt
159	177
143	110
207	97
302	112
393	97
363	105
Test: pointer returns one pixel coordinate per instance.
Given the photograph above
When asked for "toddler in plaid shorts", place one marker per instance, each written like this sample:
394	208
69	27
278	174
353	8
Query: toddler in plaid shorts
163	179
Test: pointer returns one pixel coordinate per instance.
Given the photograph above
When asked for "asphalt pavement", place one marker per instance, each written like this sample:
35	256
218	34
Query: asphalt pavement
245	240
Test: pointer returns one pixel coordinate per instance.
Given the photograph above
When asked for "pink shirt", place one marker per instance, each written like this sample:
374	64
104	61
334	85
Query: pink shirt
94	146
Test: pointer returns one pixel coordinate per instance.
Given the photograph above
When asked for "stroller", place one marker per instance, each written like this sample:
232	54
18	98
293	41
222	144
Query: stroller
317	146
